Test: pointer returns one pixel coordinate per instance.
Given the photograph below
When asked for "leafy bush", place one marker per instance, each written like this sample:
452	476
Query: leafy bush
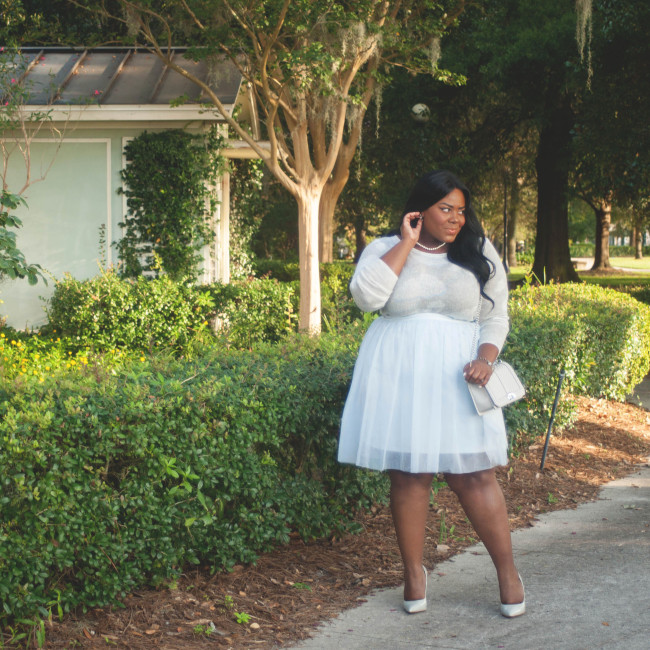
37	357
167	178
600	337
12	260
337	305
277	269
588	250
110	482
582	250
107	312
638	292
252	311
115	478
525	258
626	251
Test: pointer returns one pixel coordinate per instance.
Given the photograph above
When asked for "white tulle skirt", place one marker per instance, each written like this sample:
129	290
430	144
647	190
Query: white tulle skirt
409	408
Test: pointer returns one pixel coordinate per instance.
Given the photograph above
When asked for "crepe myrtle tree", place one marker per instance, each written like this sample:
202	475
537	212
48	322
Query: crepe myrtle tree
313	68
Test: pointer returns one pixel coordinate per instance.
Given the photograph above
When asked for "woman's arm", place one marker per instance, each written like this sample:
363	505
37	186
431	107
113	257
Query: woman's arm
380	265
396	256
493	320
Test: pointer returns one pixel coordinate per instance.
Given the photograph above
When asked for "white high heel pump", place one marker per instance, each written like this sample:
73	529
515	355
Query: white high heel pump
515	609
420	605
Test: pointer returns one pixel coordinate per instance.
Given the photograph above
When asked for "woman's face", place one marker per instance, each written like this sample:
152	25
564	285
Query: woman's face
443	220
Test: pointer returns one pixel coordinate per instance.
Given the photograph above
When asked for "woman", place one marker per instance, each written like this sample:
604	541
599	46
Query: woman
409	410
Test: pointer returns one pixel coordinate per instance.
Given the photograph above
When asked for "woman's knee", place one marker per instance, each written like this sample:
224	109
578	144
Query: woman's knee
463	483
406	481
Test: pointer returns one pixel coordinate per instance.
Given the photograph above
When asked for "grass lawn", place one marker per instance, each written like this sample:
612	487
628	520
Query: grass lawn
612	279
630	262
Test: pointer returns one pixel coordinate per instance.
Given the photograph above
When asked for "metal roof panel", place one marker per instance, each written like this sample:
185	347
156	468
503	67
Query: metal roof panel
121	76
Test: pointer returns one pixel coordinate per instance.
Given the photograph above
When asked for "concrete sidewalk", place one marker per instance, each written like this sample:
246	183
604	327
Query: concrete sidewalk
587	578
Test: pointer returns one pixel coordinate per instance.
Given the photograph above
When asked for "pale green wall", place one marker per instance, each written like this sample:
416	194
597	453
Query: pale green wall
64	214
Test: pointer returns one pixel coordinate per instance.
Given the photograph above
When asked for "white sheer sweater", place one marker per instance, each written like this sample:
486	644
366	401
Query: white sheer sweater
430	283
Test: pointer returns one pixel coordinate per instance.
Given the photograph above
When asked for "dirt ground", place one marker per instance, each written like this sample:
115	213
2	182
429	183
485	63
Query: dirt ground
289	592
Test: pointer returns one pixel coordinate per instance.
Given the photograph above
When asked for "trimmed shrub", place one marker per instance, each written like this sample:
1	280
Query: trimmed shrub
277	269
115	478
640	293
588	250
107	484
600	337
107	312
255	311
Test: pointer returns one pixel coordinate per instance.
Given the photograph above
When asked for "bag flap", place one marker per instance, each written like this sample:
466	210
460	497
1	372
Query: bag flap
504	386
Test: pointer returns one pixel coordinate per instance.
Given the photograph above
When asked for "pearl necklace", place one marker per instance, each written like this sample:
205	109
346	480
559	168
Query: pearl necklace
427	248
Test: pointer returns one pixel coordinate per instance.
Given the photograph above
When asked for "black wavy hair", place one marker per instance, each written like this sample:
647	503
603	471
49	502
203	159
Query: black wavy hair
467	249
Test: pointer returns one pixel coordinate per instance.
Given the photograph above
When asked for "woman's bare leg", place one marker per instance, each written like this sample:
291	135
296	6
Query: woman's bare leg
485	506
409	504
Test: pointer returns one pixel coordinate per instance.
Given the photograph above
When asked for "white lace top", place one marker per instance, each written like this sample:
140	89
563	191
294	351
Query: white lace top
431	283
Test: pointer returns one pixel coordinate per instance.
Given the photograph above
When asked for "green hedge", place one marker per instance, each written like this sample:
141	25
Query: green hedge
588	250
114	481
252	311
107	312
600	337
117	475
640	292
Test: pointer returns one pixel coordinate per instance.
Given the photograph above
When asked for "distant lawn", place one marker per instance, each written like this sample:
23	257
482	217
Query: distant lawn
611	279
630	262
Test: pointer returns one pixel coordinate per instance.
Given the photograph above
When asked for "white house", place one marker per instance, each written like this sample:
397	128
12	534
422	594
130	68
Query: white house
100	99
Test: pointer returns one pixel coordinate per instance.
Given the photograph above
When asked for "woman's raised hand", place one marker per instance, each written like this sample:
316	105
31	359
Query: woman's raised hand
396	256
411	233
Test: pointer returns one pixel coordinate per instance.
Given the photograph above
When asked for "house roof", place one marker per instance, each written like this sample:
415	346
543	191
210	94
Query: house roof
121	79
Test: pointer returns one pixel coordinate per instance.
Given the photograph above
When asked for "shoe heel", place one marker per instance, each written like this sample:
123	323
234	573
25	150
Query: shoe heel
420	605
515	609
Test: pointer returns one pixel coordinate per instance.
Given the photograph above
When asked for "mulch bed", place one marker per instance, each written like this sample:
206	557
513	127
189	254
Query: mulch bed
292	590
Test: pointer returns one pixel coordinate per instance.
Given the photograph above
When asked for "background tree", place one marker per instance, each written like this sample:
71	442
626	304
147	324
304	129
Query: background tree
612	144
313	68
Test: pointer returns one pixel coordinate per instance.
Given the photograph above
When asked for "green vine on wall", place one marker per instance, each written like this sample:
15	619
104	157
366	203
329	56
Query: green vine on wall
168	178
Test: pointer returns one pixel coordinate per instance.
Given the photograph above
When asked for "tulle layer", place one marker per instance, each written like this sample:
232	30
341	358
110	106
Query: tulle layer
409	408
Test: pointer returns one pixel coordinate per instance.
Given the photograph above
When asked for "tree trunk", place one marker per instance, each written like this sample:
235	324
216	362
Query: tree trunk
552	255
603	221
513	214
329	199
310	316
327	206
638	238
359	236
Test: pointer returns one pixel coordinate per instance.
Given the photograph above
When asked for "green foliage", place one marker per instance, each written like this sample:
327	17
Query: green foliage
583	250
600	337
277	269
252	311
17	130
338	308
119	471
640	293
107	312
587	250
112	482
36	356
12	261
247	202
170	202
263	218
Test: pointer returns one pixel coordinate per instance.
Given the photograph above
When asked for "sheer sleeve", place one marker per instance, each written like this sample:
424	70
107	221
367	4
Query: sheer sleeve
373	280
494	322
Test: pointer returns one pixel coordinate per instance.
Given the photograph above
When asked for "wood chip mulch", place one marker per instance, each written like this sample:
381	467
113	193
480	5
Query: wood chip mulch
292	590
